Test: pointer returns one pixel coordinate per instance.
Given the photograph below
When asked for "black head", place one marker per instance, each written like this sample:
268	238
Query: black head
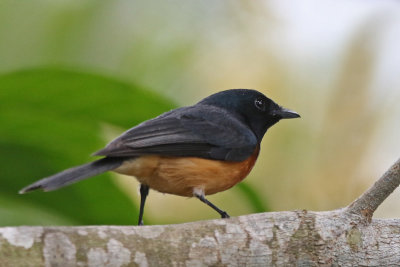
255	109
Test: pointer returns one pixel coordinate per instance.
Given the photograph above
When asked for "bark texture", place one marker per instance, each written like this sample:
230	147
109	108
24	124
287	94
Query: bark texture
283	238
344	237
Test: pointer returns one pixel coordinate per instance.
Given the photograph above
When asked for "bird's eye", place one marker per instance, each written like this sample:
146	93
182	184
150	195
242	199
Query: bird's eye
260	104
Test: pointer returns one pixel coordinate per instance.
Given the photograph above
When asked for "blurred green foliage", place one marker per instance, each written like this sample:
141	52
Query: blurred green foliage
50	120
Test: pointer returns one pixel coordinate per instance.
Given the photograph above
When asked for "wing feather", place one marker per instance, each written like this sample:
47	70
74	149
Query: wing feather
197	131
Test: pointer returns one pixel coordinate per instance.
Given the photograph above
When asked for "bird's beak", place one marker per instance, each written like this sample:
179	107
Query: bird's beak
285	113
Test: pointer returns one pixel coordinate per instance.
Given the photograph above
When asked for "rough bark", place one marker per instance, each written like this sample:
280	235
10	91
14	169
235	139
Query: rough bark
343	237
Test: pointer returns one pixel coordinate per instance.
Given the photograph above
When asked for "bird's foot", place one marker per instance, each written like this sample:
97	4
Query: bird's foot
224	215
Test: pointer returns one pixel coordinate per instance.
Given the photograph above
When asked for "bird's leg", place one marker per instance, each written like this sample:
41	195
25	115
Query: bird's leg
144	191
204	200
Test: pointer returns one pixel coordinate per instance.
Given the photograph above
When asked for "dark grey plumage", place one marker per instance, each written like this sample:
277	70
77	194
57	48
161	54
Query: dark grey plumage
74	175
187	131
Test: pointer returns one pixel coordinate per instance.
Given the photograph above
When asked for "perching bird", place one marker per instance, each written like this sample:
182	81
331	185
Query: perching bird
190	151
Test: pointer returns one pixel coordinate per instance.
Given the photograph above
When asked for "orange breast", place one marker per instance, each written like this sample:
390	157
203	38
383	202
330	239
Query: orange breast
183	175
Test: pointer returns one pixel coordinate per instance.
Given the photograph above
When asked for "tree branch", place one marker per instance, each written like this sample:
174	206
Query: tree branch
368	202
303	238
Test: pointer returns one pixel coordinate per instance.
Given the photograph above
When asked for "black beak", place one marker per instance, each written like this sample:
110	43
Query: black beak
285	113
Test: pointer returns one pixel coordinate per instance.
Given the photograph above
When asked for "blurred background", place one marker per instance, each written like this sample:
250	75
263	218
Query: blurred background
75	74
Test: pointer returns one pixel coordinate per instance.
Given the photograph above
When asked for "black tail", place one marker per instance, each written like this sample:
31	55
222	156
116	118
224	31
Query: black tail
74	174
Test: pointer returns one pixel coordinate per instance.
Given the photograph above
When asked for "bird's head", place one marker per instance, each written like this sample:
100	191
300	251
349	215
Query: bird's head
255	109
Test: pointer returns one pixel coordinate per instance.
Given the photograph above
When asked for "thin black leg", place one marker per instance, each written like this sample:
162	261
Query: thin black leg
144	191
204	200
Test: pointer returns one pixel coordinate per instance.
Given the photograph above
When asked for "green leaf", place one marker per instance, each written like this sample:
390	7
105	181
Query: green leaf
50	119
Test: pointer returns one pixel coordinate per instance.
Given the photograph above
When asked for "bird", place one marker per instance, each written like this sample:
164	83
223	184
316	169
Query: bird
191	151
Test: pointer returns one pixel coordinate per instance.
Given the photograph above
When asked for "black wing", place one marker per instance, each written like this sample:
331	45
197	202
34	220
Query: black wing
197	131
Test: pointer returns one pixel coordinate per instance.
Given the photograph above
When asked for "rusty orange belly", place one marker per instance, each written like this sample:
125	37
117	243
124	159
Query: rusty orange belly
184	175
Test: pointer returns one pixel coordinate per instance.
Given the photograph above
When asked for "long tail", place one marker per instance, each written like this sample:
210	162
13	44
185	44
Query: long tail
74	174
